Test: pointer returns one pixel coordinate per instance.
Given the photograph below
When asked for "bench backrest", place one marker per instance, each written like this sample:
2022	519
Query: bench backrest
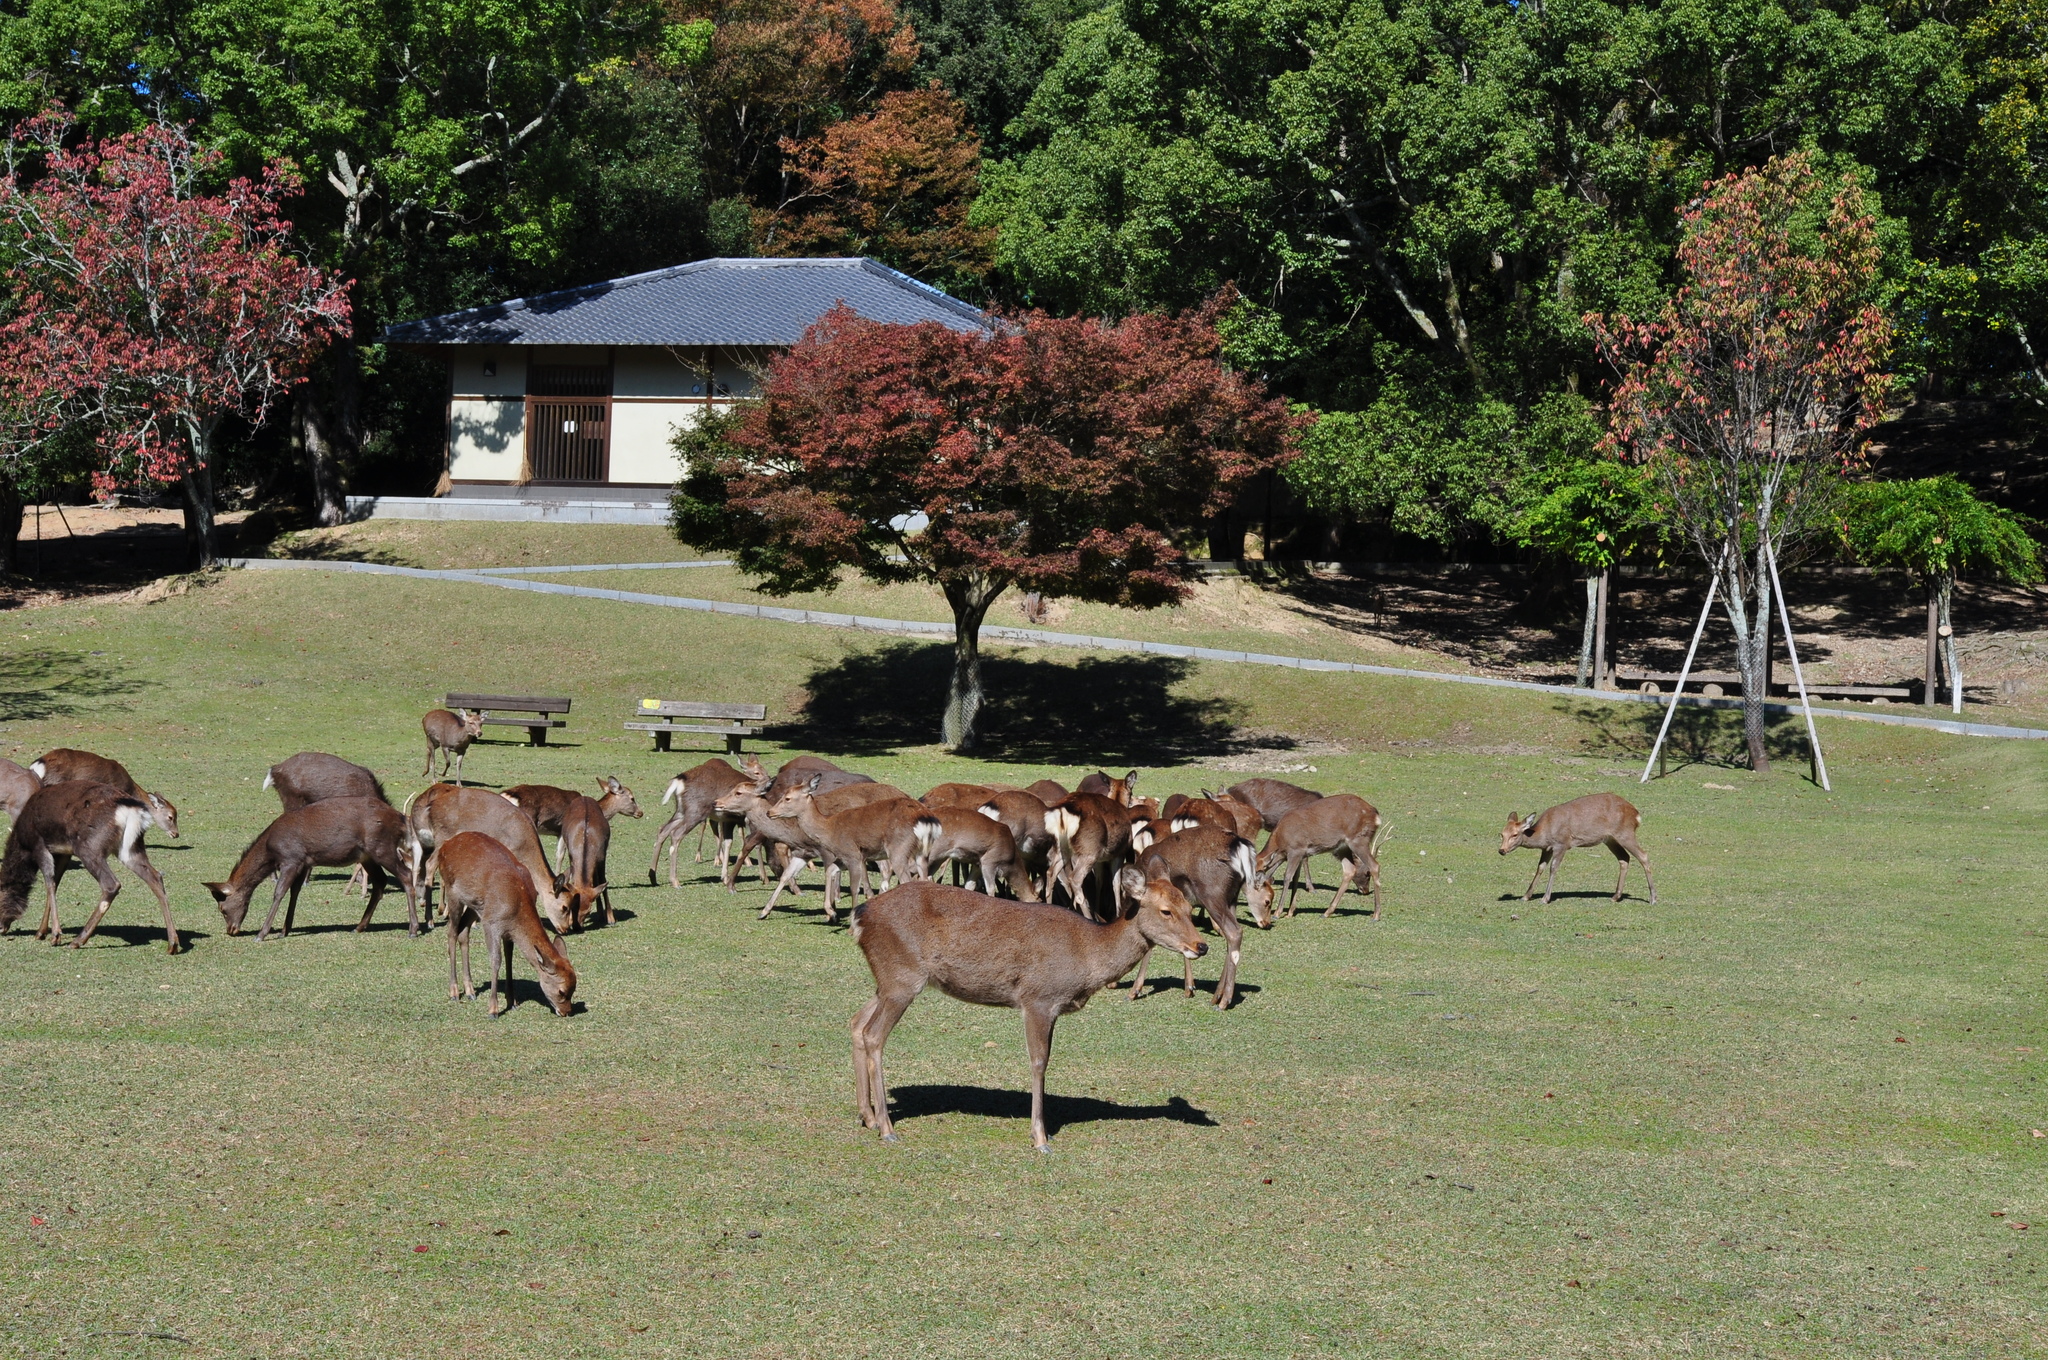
687	708
501	703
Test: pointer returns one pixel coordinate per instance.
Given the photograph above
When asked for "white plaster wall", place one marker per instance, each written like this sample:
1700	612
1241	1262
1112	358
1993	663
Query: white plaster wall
641	431
652	371
486	439
472	381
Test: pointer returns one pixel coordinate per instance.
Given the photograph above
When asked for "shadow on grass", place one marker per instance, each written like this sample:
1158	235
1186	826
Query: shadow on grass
134	936
1038	710
916	1102
42	683
1699	736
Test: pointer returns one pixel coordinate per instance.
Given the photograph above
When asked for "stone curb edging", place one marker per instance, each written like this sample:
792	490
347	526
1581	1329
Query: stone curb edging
497	576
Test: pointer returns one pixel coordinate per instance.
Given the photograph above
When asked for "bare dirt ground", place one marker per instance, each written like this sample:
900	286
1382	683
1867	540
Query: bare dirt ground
76	551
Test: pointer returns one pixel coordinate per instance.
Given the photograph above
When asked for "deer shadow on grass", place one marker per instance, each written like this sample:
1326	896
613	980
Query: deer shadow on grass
916	1102
1038	709
125	936
42	682
1699	735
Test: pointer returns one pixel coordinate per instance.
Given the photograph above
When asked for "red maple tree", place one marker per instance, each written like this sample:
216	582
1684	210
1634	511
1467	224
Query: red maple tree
146	308
1751	390
1062	456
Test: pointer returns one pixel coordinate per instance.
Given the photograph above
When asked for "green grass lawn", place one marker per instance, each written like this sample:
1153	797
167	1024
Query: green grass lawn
1775	1114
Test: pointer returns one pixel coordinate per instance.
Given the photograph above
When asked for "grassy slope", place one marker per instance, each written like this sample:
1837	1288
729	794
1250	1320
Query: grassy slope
1676	1137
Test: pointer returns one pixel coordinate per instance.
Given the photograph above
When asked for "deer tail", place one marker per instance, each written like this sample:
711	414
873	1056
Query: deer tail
926	829
1063	822
1379	837
268	781
1243	861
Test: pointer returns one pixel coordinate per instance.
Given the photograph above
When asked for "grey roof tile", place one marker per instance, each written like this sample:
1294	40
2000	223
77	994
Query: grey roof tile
708	302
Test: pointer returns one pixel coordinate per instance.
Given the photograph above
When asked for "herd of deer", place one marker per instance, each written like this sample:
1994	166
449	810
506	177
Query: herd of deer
1131	870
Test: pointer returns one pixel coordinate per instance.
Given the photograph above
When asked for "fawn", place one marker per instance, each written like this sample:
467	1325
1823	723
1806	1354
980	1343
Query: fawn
450	734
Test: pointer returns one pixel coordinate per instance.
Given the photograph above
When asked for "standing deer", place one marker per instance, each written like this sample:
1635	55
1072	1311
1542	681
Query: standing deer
64	766
87	821
958	795
486	886
17	786
442	810
747	803
1209	867
314	776
450	734
696	793
1272	799
1038	959
586	839
1124	790
1343	825
1047	791
1091	839
547	805
325	835
956	834
1596	819
1023	816
876	831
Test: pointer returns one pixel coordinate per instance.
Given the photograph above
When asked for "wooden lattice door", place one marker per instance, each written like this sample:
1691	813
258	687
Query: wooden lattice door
568	422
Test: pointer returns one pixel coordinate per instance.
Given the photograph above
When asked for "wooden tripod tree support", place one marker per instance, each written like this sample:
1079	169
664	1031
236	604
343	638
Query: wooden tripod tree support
1820	765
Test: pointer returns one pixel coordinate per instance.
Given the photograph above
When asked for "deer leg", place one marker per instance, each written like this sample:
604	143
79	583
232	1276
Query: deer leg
1038	1040
429	771
797	864
860	1061
376	879
1556	858
404	877
291	907
1629	845
500	947
887	1010
454	978
110	888
1138	987
702	827
284	877
1372	867
1542	858
139	865
53	870
1294	863
1225	918
1347	871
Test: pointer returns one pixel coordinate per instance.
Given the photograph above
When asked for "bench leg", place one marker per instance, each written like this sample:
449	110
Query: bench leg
732	743
661	741
537	736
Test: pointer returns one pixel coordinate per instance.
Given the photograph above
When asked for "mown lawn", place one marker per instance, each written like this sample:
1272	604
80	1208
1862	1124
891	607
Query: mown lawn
1777	1113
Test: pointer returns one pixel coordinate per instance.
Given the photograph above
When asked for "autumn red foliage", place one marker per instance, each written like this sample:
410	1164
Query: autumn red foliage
1062	456
1752	389
897	184
148	309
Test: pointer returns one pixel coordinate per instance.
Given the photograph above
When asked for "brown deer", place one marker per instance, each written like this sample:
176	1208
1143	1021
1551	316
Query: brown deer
17	786
314	777
64	766
586	839
1271	798
450	734
1596	819
1041	960
1091	839
1048	791
830	778
695	793
442	810
546	804
1023	816
958	795
849	839
86	821
1210	867
1203	811
1249	823
1343	825
486	886
956	834
325	835
1124	790
747	803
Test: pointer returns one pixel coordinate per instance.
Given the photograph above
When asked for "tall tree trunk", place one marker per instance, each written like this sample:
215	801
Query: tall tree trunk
970	599
1948	643
1585	675
1751	621
315	431
1933	667
10	524
1604	582
200	543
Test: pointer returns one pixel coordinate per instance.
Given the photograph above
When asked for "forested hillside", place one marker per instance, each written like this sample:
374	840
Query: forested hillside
1416	201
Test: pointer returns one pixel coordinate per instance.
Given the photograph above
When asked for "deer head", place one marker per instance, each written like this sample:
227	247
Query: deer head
472	723
791	803
1518	827
233	905
618	800
1162	914
162	813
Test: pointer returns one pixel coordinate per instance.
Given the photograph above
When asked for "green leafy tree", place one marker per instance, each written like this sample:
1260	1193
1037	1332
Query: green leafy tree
1593	514
1937	528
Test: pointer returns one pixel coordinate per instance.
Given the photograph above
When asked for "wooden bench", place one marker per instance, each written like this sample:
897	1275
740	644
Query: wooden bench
536	726
1655	682
727	720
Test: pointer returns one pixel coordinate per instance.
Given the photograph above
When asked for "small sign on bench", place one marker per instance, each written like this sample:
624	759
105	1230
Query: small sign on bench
541	709
730	721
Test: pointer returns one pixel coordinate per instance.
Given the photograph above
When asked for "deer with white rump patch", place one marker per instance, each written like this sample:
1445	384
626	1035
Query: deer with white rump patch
1343	825
86	821
1209	866
695	793
1042	960
964	836
1091	837
64	766
1596	819
450	734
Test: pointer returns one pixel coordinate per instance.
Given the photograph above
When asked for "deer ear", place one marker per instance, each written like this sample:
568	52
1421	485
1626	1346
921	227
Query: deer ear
1131	779
219	891
561	883
1131	882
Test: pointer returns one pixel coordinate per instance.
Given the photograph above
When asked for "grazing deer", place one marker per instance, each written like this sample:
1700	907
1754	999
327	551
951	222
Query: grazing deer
314	777
1124	790
450	734
1041	960
696	793
586	839
1048	791
1091	839
1023	816
17	786
1247	818
486	886
1596	819
86	821
958	795
1209	866
326	834
443	810
959	835
1343	825
875	831
64	766
1272	799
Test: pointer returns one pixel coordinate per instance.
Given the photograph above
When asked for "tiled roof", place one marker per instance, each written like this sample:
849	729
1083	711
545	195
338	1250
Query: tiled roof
709	302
